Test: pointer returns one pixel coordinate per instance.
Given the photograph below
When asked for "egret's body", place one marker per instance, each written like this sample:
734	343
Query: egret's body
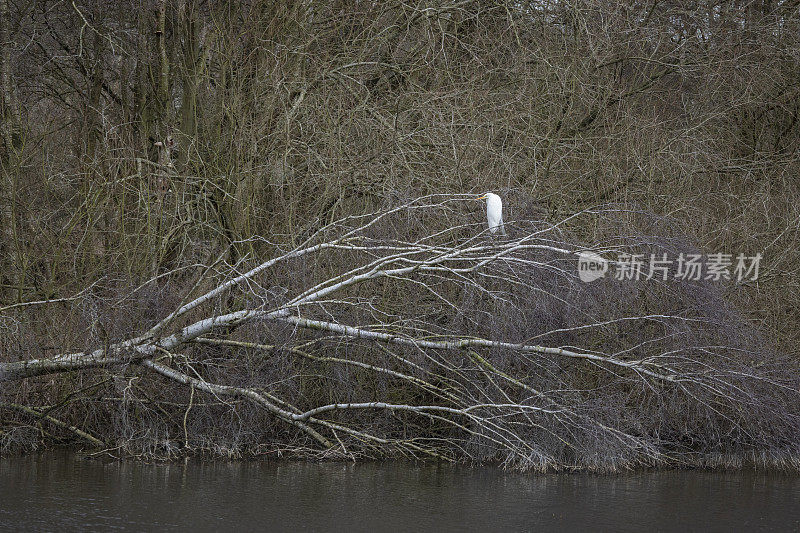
494	213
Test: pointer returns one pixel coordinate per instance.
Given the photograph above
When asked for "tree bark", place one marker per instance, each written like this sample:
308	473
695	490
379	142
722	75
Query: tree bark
162	94
9	111
191	72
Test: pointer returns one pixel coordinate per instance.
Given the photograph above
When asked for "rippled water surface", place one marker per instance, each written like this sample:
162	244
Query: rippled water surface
64	492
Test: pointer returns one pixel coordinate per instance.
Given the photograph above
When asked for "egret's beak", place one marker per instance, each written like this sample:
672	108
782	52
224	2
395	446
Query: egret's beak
482	197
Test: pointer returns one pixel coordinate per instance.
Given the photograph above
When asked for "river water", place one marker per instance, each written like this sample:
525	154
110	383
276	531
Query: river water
64	492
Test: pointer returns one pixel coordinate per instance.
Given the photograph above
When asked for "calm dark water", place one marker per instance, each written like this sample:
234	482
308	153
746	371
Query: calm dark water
63	492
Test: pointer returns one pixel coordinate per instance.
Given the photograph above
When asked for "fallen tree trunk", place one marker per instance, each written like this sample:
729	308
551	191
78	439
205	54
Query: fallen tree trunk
440	359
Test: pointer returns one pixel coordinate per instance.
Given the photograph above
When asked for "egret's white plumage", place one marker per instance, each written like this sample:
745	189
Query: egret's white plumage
494	213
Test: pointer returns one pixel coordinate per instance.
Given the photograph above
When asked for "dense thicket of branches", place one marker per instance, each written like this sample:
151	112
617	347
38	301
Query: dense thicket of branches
154	151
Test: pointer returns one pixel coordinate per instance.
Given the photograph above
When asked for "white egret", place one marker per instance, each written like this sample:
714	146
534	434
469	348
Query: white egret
494	212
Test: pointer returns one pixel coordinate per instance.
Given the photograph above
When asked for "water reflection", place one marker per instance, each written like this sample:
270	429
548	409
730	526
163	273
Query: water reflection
64	491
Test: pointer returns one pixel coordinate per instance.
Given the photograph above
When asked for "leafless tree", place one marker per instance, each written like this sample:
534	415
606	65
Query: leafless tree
454	344
209	222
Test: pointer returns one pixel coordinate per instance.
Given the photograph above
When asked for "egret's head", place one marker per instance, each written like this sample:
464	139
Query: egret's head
484	197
